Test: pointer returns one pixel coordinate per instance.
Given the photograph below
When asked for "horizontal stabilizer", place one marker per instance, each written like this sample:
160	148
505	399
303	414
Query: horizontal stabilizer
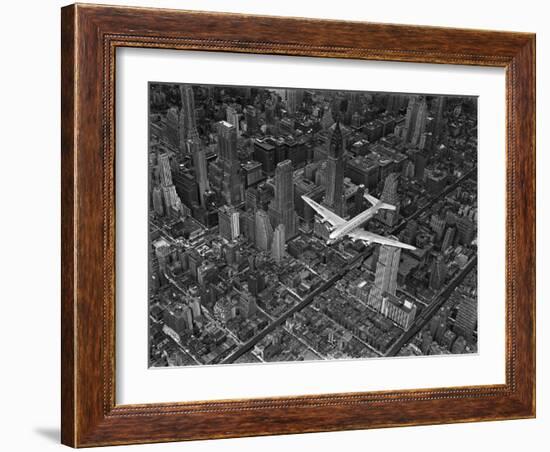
376	202
387	206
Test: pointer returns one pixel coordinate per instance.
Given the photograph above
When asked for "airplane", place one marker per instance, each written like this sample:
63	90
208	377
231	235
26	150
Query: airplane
351	228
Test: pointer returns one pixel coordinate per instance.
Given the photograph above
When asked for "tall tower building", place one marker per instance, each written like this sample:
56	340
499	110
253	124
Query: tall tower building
410	118
438	107
233	118
438	273
270	116
448	238
415	120
390	196
227	177
227	142
359	199
385	278
278	245
228	221
188	125
251	117
162	253
466	318
264	231
201	170
172	127
465	230
164	170
334	198
248	226
172	201
420	165
158	206
353	105
420	123
293	100
281	209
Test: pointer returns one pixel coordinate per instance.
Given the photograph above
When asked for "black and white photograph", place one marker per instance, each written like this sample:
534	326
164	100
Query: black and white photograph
246	226
296	224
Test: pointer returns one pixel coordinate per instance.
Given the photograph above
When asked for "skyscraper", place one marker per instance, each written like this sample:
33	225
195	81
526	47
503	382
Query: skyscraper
157	201
179	319
402	313
437	224
408	235
172	127
188	126
327	119
255	280
233	118
448	239
438	106
270	116
172	201
164	170
278	245
251	117
227	178
353	105
293	100
359	199
281	209
232	255
438	273
162	253
264	231
385	278
420	122
415	119
228	221
247	305
251	198
334	198
201	171
465	228
186	187
248	226
390	196
436	180
420	165
466	318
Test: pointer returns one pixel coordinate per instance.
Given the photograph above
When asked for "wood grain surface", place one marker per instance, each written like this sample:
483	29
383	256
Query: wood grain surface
90	35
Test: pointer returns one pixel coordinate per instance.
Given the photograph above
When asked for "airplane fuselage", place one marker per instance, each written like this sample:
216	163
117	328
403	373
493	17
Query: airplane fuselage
354	223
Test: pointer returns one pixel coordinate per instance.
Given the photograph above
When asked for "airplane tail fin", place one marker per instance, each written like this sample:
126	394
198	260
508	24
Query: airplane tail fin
374	201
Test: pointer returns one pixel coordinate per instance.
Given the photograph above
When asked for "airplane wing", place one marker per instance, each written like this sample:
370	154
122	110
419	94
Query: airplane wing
329	216
361	234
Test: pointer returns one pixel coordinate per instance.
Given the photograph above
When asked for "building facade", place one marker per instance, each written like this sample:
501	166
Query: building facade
334	198
281	209
385	278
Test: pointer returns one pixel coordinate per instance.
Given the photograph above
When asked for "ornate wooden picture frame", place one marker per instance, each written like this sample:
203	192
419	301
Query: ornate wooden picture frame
90	37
